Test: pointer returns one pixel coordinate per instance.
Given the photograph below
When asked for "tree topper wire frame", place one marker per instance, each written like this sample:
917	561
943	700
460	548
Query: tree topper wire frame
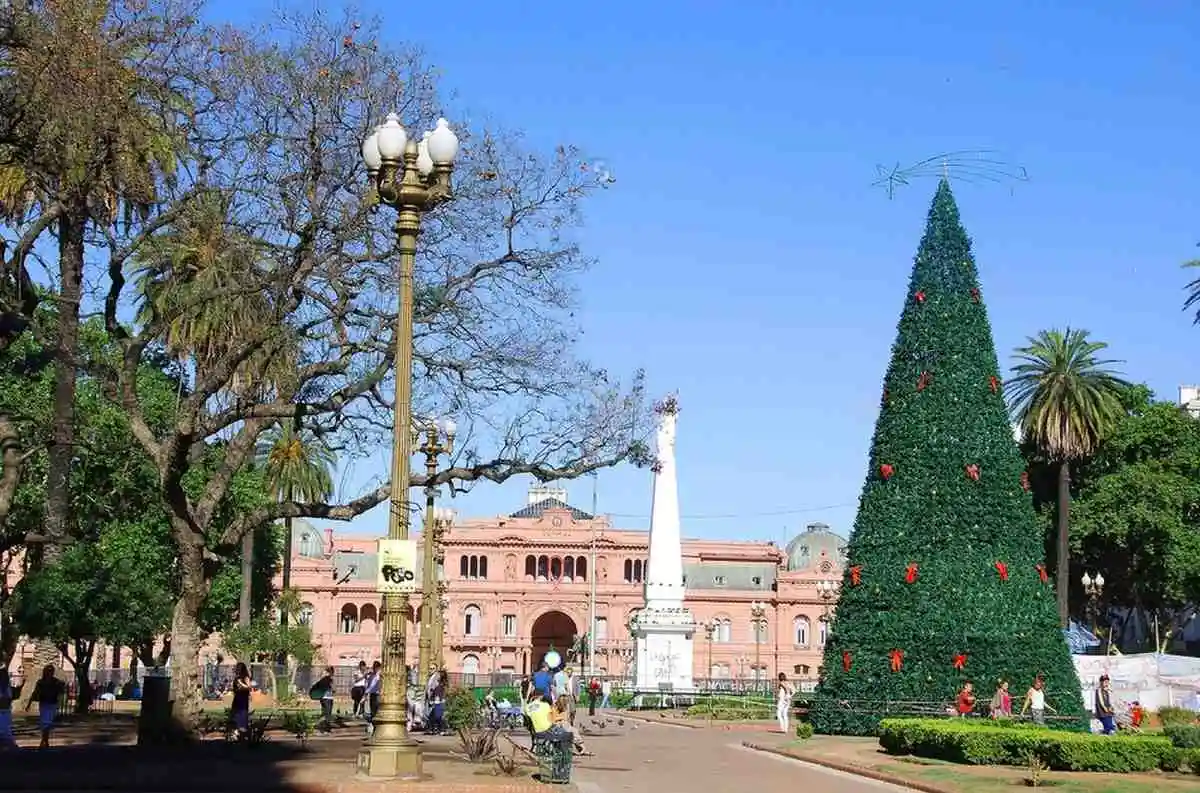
973	166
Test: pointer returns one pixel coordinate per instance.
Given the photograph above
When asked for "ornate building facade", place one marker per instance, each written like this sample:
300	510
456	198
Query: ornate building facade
521	584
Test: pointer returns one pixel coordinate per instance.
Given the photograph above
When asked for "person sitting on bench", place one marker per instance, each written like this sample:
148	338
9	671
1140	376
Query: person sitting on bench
551	726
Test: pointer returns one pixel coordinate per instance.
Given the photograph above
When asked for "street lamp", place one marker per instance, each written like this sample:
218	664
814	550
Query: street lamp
439	626
710	629
758	616
438	440
411	178
1093	587
826	590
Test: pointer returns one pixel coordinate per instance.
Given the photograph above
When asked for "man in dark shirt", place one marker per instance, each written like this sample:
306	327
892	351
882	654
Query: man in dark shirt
542	680
48	692
1105	712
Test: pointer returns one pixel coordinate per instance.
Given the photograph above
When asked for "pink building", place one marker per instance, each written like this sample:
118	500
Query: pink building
519	584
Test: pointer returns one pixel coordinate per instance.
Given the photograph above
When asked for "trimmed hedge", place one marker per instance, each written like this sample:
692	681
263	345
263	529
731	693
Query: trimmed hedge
978	742
1184	736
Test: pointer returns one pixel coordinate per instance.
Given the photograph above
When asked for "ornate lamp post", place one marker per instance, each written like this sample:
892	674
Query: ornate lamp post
758	617
411	178
710	629
826	590
438	440
439	625
1093	587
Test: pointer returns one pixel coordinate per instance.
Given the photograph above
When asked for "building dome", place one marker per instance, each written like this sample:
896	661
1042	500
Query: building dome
815	545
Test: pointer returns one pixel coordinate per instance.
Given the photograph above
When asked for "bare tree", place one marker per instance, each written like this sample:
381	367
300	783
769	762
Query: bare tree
279	140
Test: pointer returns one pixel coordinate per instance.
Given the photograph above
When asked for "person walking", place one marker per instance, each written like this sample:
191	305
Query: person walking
322	690
783	702
1035	701
239	709
358	690
374	682
1105	712
1001	706
605	694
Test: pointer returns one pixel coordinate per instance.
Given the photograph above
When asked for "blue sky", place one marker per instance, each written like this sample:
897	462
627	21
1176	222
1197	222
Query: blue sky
745	260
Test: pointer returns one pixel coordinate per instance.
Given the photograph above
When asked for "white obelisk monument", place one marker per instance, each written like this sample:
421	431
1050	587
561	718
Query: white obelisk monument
663	628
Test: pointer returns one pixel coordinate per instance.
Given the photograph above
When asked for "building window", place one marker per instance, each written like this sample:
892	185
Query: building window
635	571
531	567
757	580
348	622
543	568
722	630
470	665
800	631
556	570
580	568
472	621
308	544
719	580
569	569
305	615
509	624
473	568
823	632
601	628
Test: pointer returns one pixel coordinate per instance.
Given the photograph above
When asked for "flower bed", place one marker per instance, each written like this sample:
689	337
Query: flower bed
987	743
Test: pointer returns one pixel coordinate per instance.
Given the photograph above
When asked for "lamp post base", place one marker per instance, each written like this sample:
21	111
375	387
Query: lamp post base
390	762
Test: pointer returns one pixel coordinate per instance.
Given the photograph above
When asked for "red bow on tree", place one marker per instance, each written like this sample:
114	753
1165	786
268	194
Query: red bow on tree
910	573
886	470
1041	568
960	661
897	657
1002	569
856	575
846	660
923	381
1025	481
920	296
975	295
994	383
973	472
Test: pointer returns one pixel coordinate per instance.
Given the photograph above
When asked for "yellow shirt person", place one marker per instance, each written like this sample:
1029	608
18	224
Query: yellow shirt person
539	714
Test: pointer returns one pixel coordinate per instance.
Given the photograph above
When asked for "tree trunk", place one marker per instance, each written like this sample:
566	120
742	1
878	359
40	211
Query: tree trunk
1063	568
287	565
247	579
186	674
56	524
83	677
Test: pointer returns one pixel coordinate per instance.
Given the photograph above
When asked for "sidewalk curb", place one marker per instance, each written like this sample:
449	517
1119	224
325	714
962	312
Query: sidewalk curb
665	722
867	773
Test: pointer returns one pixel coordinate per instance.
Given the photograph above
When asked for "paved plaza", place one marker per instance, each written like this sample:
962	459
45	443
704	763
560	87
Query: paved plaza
630	756
659	758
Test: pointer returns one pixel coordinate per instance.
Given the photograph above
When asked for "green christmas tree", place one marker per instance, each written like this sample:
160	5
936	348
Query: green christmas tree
945	578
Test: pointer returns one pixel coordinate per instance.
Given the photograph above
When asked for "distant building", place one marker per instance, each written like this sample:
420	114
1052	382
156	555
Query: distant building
520	584
1189	399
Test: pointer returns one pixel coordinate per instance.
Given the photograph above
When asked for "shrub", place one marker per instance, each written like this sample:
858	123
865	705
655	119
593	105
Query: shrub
1183	736
1172	716
804	731
301	723
1191	758
620	699
1173	759
462	708
984	743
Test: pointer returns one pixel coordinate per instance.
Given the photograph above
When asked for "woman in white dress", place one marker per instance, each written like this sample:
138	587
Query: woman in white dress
783	702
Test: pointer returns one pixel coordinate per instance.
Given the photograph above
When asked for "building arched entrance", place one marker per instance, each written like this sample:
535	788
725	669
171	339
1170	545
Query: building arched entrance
553	629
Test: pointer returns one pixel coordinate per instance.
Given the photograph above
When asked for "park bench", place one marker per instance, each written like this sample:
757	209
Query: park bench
555	758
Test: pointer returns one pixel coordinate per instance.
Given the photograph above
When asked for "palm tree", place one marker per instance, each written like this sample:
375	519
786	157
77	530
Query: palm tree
207	283
1065	400
298	467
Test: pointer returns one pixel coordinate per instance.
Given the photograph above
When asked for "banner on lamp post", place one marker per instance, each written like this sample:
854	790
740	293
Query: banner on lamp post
397	567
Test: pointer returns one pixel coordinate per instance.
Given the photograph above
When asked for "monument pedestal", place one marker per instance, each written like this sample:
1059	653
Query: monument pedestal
663	663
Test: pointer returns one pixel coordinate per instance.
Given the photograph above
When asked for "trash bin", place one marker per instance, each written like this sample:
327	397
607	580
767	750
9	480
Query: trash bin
154	720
